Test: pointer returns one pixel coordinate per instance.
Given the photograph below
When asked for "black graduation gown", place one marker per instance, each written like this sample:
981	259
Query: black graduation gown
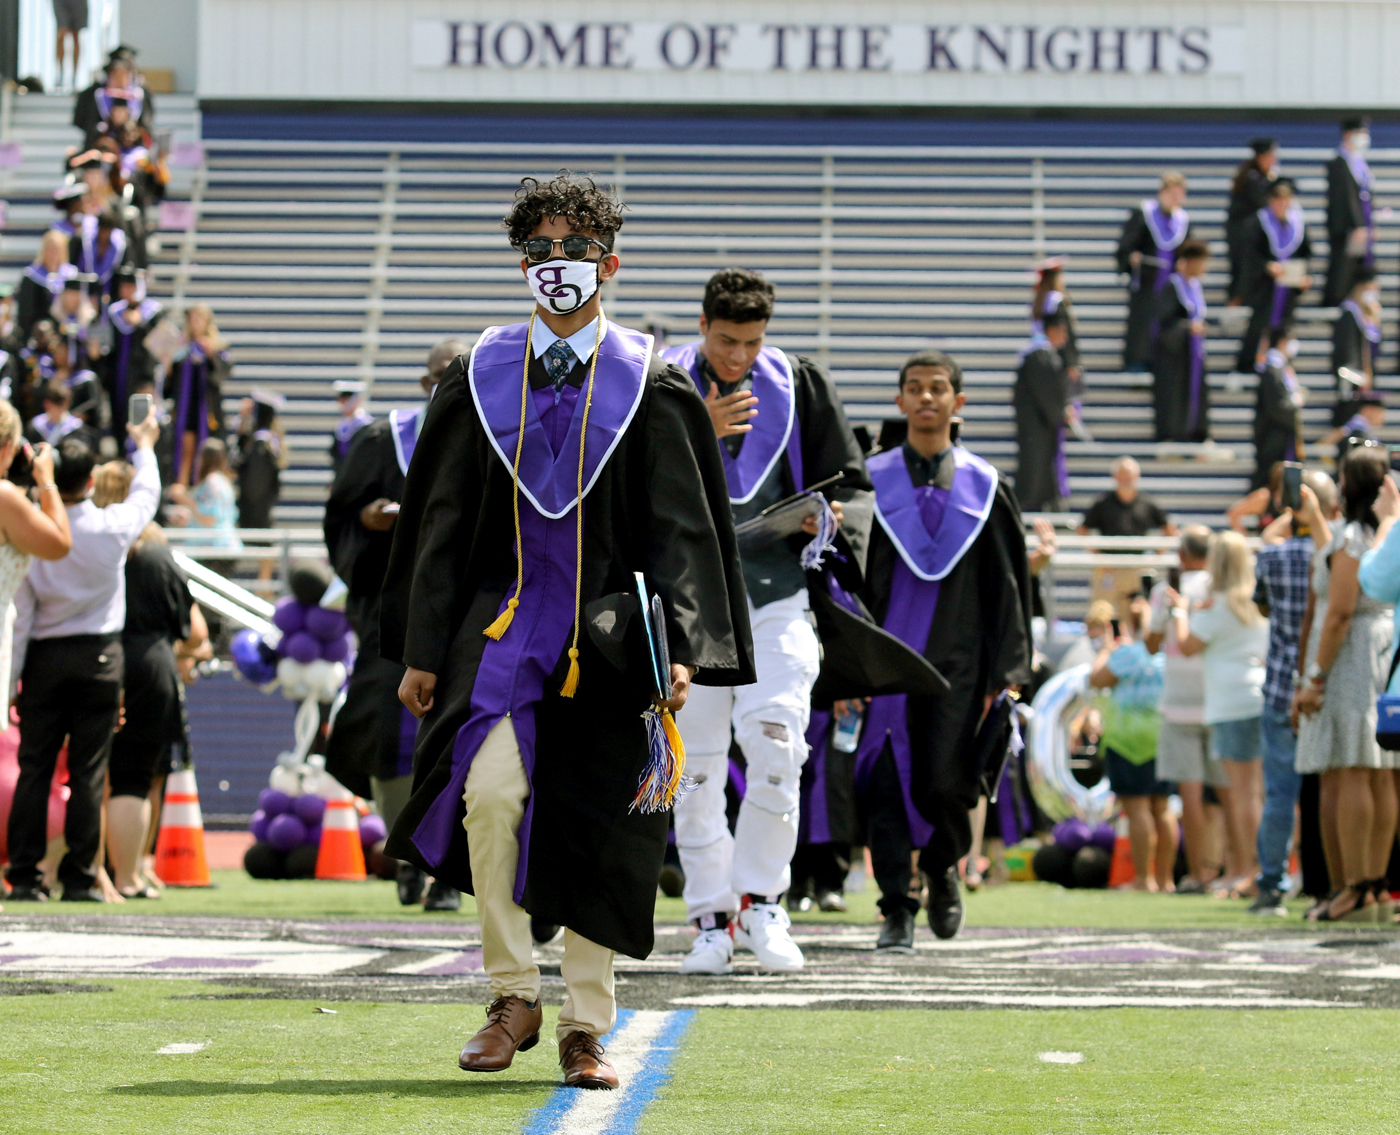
32	303
141	366
1258	290
1171	376
1040	397
1137	237
1350	349
660	506
259	483
1344	216
86	114
1275	424
1245	201
980	641
365	739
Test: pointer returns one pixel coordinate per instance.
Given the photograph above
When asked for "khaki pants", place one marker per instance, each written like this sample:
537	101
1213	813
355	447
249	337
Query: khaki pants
496	793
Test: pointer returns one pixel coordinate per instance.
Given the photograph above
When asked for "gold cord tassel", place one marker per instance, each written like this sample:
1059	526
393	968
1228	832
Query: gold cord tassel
570	686
504	619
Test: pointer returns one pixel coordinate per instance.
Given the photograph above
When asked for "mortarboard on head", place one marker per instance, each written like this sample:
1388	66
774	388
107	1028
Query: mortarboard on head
1049	264
73	284
271	398
67	196
88	159
1370	397
1355	122
121	54
348	387
1262	146
128	274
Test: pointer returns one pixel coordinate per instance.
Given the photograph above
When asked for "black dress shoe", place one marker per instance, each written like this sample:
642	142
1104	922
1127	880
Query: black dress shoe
897	935
543	932
945	905
411	882
442	897
83	894
28	894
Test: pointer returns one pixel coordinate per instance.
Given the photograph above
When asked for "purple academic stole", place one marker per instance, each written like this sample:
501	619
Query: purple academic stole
1361	174
1193	298
194	389
54	281
931	529
347	428
771	383
124	331
513	670
1284	237
403	428
1168	230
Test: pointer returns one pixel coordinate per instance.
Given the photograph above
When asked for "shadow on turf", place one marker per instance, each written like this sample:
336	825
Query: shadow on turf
442	1089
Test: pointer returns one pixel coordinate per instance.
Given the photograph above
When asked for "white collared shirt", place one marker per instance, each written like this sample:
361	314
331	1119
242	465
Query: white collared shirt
581	341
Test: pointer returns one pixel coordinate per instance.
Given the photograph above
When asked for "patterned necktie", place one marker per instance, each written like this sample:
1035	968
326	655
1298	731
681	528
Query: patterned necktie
559	361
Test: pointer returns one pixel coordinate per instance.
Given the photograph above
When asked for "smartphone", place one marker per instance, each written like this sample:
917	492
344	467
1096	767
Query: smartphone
1174	579
138	408
1148	581
1117	629
1292	485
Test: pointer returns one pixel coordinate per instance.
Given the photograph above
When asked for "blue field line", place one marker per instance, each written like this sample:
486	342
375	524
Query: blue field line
656	1070
547	1118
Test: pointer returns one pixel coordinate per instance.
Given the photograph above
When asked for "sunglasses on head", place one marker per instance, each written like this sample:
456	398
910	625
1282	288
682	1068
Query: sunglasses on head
540	248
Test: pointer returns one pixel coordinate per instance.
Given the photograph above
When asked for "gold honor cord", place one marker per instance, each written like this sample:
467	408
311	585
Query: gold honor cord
503	621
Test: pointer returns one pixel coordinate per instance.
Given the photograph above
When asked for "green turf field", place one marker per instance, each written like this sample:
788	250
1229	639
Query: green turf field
89	1062
1018	905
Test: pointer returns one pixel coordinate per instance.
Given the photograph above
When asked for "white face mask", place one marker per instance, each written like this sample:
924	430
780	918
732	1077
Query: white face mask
562	286
1361	140
1290	348
1371	296
1096	641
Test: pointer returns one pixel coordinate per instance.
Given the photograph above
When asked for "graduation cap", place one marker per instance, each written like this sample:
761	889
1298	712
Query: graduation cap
73	284
128	274
1370	397
349	387
122	53
268	398
68	195
1049	264
1262	146
1355	122
88	159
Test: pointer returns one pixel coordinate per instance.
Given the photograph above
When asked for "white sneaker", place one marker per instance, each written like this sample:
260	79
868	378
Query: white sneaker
763	928
712	953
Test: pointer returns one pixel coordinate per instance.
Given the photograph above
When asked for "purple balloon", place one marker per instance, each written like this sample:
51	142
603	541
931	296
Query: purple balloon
325	624
290	616
337	650
274	802
313	836
251	656
286	832
1104	836
301	647
1071	834
372	829
258	824
309	808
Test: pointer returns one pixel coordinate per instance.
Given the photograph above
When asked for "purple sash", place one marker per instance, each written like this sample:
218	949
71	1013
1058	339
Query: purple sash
550	482
1372	331
1193	299
772	384
1361	174
124	331
931	529
347	428
1168	229
403	427
194	389
53	281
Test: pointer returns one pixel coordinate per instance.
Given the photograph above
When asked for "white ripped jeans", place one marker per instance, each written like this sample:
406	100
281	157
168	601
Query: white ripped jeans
769	720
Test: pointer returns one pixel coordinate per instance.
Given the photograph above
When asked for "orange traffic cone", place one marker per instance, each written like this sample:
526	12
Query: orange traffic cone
341	855
1120	871
180	858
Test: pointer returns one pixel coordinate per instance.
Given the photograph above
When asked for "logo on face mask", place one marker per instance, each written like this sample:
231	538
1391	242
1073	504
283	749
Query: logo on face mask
562	286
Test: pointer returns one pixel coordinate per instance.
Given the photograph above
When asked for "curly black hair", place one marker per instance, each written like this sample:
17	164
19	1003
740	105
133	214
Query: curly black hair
579	200
738	296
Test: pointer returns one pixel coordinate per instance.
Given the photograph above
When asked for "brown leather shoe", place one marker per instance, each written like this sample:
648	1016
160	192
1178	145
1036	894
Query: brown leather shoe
511	1027
585	1066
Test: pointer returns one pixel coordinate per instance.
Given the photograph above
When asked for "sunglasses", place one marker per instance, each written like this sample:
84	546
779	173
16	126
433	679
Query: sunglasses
539	249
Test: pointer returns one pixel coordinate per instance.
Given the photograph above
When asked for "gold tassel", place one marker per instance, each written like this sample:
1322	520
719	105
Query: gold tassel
503	620
677	777
570	686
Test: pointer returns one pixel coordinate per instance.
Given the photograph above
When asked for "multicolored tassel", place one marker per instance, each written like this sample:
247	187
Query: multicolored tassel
822	542
664	777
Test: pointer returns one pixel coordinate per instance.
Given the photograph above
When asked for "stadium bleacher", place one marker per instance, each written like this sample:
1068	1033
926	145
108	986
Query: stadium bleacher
329	259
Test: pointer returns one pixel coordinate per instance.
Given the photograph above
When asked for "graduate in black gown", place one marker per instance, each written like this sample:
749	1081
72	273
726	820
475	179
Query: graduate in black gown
947	574
1180	392
42	282
1275	236
259	462
349	397
531	673
1351	232
1041	401
1146	252
1356	346
1278	404
1249	192
132	317
371	742
94	105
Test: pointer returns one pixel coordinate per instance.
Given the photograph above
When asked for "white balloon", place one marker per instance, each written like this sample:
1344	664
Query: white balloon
293	677
285	779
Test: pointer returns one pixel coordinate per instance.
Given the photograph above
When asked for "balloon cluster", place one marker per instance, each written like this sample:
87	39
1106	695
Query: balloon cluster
1080	855
286	827
308	658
